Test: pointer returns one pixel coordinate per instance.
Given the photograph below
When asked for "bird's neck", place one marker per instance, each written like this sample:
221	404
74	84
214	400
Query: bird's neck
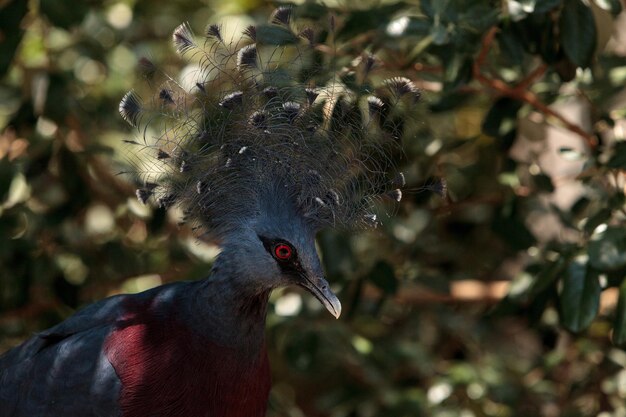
230	313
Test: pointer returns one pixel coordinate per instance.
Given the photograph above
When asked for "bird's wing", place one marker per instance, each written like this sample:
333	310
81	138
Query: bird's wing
64	369
101	313
36	377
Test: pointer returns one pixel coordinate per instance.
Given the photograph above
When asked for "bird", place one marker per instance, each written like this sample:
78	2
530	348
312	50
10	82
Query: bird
266	141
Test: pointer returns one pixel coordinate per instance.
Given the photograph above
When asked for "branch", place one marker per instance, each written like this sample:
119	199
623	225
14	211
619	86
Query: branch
520	92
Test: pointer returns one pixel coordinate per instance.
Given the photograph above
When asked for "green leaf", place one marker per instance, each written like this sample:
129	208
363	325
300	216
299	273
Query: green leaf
310	10
275	35
597	219
513	231
439	34
548	274
301	349
580	298
64	14
432	8
417	26
372	18
502	117
520	8
618	160
612	6
458	71
511	45
544	6
619	325
617	200
578	32
607	250
478	18
527	5
384	277
7	172
10	27
450	100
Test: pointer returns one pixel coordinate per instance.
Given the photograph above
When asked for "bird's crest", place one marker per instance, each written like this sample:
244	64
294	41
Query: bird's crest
269	117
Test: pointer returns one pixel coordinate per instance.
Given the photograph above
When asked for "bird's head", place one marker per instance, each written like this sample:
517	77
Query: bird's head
267	142
277	249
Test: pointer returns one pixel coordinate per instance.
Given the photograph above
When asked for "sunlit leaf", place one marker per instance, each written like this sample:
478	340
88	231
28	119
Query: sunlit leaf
613	6
607	249
360	21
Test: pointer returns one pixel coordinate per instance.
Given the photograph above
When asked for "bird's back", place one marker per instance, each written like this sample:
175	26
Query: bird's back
50	373
131	355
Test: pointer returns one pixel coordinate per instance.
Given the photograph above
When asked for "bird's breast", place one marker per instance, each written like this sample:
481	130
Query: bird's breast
166	369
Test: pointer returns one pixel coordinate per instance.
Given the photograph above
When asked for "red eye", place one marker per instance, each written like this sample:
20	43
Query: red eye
282	251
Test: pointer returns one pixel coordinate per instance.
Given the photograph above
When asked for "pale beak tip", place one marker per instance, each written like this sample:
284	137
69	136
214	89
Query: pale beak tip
336	310
321	290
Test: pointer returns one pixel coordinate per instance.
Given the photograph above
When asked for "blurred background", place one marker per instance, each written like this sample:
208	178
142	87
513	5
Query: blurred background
495	288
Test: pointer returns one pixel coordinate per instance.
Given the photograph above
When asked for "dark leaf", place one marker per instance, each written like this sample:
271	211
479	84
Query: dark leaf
449	100
361	21
580	206
435	9
602	216
502	117
543	183
514	232
7	171
275	35
383	276
580	298
547	276
607	250
10	27
310	10
337	255
417	27
511	45
618	160
458	71
439	34
566	69
63	13
578	32
543	6
479	18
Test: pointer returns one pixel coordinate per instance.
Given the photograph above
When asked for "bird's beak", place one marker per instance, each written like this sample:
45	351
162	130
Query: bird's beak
321	290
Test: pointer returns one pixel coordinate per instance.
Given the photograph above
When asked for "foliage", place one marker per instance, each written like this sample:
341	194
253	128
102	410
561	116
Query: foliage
497	79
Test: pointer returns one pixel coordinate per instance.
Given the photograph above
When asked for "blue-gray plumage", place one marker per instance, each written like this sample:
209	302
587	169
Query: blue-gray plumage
257	158
55	371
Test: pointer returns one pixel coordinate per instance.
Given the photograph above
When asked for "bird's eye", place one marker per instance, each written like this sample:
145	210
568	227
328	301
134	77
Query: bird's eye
282	251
